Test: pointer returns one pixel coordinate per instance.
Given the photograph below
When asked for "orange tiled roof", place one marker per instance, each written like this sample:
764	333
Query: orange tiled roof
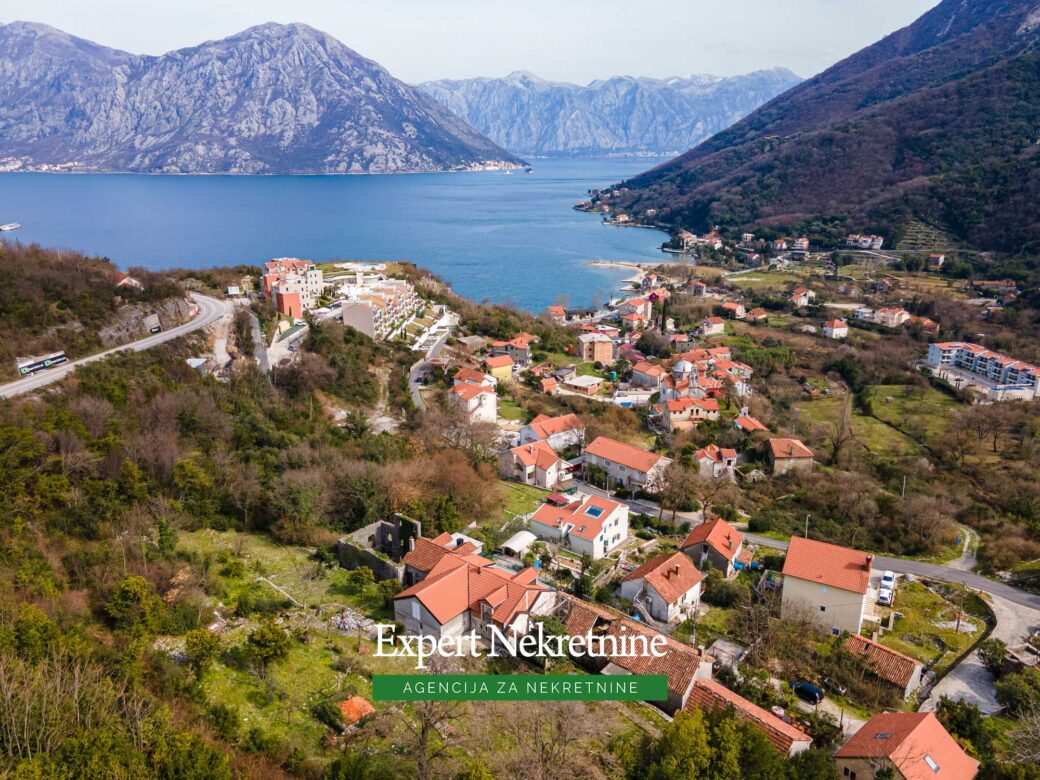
672	575
625	454
882	661
710	695
584	525
746	423
680	663
789	448
354	709
909	740
500	361
717	534
538	454
714	451
467	391
828	564
545	426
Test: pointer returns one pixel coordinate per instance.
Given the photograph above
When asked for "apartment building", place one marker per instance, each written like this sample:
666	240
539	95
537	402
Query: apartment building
292	285
596	348
998	377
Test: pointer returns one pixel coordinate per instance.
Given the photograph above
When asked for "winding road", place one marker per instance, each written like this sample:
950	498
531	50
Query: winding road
210	310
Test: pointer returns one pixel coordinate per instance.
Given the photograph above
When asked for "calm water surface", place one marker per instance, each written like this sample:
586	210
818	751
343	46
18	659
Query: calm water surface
505	238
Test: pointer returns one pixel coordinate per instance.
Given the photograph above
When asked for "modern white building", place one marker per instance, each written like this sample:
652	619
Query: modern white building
477	402
997	377
587	525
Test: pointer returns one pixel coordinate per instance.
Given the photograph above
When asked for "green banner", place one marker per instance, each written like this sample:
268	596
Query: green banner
519	687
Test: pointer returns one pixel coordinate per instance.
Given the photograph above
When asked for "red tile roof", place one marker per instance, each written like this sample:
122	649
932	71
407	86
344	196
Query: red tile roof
828	564
354	709
500	361
625	454
680	663
649	369
426	553
913	742
544	426
883	662
783	449
470	375
749	424
717	534
467	391
710	695
672	575
538	454
715	452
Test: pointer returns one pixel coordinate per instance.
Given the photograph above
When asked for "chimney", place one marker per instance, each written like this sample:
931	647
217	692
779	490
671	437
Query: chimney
870	561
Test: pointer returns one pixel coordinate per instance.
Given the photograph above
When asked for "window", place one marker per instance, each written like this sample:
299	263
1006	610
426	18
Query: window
836	631
415	610
823	608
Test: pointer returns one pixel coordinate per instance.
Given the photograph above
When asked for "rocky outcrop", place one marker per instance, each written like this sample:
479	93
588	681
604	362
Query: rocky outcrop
621	115
273	99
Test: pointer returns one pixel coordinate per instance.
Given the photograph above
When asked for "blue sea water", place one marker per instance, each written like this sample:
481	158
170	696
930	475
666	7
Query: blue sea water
504	238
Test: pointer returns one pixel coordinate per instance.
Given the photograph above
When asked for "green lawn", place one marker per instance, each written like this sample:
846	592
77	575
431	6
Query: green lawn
520	499
759	280
920	415
875	435
508	409
917	634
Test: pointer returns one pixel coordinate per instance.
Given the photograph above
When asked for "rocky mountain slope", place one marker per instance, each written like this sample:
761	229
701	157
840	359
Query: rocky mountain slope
937	122
272	99
621	115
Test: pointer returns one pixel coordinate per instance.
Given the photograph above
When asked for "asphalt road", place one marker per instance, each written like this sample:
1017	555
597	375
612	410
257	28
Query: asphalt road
417	369
210	310
942	572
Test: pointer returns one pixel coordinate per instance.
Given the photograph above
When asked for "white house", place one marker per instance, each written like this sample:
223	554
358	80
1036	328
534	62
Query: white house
836	329
802	296
588	525
668	586
827	584
534	464
713	326
627	466
478	403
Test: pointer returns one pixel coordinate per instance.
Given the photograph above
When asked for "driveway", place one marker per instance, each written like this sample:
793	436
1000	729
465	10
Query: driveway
970	681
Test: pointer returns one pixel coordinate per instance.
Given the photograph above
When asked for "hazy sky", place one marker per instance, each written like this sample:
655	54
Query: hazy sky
565	40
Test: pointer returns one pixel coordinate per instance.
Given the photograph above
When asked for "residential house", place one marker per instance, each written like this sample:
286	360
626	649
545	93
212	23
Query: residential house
734	310
788	739
826	584
681	664
596	348
904	746
801	296
467	375
549	385
885	664
518	348
587	525
716	462
891	317
779	244
788	455
126	280
651	375
567	430
627	466
997	376
858	241
678	414
464	592
667	586
836	329
535	464
584	384
926	324
715	543
713	326
634	322
478	403
748	424
699	289
994	286
758	314
936	261
500	367
558	313
640	306
800	244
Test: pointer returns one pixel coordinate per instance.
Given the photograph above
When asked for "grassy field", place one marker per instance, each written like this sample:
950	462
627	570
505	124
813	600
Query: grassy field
520	499
921	416
871	433
926	627
508	409
757	280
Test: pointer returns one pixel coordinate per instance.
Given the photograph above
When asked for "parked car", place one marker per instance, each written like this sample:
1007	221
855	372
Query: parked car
885	597
807	691
834	686
888	580
887	589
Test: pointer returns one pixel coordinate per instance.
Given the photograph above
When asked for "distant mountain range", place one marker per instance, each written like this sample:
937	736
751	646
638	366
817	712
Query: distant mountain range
938	122
272	99
621	115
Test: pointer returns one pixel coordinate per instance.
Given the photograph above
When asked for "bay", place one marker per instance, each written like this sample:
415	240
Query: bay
497	237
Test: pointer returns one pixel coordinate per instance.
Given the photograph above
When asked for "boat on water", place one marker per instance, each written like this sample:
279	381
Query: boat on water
10	226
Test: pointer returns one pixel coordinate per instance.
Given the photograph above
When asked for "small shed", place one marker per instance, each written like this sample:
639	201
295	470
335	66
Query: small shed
519	543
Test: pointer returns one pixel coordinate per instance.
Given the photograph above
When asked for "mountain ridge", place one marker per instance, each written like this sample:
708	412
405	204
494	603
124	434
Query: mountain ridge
532	116
907	128
270	99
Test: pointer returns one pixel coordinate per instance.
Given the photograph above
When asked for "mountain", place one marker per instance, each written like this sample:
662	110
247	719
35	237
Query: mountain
272	99
938	122
621	115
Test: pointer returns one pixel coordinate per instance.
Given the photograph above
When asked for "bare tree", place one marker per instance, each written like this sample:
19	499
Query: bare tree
550	738
427	726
